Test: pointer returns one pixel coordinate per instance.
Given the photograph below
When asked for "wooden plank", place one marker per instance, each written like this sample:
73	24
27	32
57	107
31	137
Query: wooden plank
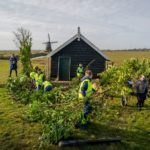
89	142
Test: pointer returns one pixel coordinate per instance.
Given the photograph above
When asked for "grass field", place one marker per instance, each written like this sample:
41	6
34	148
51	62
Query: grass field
4	68
119	56
14	131
128	123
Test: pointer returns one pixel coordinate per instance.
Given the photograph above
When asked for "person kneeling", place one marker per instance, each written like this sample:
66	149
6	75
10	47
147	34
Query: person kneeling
47	86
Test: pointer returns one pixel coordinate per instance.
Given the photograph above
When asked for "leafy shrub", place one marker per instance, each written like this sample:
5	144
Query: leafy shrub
20	87
114	80
55	109
35	112
58	125
75	81
36	96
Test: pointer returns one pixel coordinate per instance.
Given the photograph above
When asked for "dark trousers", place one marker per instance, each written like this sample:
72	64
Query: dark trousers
83	121
48	88
11	72
141	98
124	100
87	109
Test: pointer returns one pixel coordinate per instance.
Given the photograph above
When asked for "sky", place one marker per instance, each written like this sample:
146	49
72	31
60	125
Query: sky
109	24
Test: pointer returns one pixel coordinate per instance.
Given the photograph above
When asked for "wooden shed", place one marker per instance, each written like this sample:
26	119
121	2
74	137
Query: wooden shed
78	49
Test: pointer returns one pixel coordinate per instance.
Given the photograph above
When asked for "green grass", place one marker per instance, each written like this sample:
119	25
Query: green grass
131	125
16	133
4	71
119	56
4	68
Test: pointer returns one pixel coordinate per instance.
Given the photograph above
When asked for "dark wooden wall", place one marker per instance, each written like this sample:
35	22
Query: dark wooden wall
80	52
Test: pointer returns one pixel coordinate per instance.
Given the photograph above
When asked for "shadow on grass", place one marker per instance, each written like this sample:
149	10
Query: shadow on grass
130	107
129	139
2	85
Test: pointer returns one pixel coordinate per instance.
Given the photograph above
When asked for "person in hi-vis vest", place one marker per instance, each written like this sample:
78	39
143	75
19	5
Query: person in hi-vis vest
85	92
80	71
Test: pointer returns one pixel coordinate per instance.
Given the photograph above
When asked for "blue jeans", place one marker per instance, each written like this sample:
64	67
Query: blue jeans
38	87
87	109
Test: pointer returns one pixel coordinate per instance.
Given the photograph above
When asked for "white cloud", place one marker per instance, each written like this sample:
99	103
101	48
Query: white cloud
109	24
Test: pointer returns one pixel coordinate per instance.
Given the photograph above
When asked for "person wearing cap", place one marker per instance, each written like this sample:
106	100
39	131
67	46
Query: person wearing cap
85	92
141	91
80	71
47	86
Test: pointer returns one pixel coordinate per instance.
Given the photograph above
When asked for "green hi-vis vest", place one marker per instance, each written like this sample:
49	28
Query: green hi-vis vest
36	76
46	84
88	91
79	71
32	75
39	79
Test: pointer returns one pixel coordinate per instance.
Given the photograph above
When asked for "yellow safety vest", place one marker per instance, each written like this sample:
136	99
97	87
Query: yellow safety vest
36	76
32	75
79	71
89	90
39	79
46	84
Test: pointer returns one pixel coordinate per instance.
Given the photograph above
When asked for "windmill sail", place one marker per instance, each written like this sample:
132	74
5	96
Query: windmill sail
48	44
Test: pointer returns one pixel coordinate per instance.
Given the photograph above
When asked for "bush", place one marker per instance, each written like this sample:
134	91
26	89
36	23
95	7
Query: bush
114	80
58	125
35	112
20	87
55	109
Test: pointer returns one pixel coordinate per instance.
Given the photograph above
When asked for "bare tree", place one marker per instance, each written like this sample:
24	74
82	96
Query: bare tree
23	41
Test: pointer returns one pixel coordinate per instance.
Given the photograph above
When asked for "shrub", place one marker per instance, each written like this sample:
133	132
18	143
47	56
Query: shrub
20	87
114	80
35	111
58	125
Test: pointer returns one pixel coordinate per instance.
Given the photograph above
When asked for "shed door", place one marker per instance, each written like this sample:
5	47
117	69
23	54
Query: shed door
64	68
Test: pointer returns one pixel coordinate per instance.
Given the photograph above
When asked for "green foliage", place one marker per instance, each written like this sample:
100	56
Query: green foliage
36	96
115	78
35	112
24	42
58	125
75	81
54	109
20	87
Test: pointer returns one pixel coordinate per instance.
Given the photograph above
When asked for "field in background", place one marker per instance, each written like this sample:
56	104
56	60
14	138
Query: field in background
119	56
4	68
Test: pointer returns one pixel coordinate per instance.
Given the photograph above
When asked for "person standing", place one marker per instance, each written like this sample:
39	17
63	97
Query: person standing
125	97
80	71
141	91
85	92
13	64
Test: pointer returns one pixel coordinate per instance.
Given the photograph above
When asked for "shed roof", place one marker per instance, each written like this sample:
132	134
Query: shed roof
78	36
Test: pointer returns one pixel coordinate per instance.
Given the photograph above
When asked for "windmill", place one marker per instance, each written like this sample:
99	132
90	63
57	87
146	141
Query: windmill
49	49
48	44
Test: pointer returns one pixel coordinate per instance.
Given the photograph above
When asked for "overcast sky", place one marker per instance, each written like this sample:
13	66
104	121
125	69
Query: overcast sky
109	24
